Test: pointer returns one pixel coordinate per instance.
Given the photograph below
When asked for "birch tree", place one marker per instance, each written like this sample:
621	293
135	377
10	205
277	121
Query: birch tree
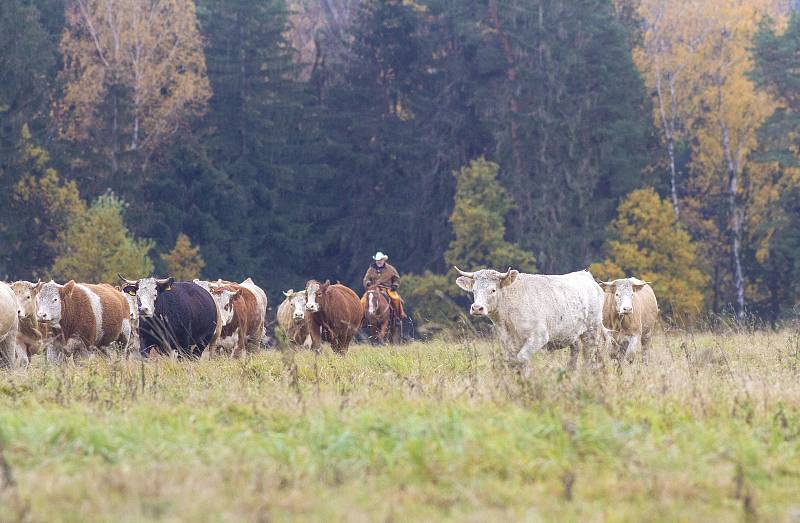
134	74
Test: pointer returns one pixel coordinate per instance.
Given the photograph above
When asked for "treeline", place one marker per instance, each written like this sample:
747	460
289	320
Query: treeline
288	141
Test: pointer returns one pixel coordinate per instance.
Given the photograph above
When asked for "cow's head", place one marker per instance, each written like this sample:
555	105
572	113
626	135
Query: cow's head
312	293
223	297
49	299
26	292
146	291
623	290
485	285
298	302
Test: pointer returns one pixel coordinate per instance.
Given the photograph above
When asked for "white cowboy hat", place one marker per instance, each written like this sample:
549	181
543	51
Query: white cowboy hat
380	256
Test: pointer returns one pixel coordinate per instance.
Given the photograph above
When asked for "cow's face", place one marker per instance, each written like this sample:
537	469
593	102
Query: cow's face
298	302
26	292
623	290
312	288
147	290
223	298
485	285
48	301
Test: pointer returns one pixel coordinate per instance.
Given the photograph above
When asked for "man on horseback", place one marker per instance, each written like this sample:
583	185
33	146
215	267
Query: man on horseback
387	278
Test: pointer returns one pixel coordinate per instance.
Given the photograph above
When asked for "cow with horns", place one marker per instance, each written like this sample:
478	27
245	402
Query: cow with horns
173	316
532	312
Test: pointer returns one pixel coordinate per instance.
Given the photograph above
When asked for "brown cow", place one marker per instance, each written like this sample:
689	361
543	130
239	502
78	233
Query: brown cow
630	312
336	314
243	320
85	316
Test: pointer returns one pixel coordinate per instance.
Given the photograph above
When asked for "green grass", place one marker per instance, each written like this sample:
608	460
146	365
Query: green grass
709	431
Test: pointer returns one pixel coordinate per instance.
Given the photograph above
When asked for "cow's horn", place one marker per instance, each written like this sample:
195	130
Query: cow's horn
462	273
126	280
288	293
504	275
637	281
162	281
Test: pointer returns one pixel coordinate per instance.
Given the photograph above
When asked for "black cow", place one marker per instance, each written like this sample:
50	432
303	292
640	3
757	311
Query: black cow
178	316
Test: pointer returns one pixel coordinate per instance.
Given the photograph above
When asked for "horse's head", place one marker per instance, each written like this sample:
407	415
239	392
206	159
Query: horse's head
377	301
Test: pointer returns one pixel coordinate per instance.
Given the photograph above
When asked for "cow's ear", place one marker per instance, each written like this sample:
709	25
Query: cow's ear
130	290
69	287
465	283
607	286
38	286
508	280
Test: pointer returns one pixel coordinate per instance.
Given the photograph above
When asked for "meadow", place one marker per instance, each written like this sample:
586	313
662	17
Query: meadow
441	430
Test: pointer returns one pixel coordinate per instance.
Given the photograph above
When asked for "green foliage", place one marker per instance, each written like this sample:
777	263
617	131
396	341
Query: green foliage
430	300
28	35
647	242
481	205
775	69
97	245
44	205
184	262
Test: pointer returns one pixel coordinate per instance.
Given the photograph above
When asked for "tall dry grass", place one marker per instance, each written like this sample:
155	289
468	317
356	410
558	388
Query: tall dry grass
709	430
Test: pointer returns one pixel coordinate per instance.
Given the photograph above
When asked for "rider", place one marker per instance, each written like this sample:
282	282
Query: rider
385	275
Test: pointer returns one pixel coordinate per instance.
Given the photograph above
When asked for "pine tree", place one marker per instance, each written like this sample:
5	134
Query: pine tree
184	262
97	246
481	205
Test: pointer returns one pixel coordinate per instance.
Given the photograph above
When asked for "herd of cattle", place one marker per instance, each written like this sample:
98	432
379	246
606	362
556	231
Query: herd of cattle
529	311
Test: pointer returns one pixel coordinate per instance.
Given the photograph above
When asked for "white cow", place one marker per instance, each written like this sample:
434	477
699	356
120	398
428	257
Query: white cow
292	318
532	312
10	355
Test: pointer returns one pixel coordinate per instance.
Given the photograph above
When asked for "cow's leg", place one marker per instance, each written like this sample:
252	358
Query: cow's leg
532	345
8	351
574	350
646	340
239	347
632	348
55	352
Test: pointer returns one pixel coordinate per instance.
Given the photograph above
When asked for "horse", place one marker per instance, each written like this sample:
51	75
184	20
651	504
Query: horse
378	315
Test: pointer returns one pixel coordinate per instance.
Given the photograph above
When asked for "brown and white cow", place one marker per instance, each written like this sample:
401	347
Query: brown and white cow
10	356
261	296
242	317
336	314
630	312
292	317
83	316
32	335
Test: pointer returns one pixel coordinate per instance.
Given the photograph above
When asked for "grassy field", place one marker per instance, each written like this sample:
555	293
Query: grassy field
709	431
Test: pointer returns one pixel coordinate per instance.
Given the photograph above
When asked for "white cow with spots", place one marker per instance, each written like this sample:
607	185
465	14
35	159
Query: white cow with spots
532	312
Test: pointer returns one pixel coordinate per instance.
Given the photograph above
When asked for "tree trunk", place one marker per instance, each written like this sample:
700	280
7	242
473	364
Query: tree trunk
736	221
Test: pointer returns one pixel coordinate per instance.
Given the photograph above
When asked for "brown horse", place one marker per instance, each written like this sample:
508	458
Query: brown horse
335	314
378	316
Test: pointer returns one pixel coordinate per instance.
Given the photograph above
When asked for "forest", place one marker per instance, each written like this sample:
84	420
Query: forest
285	140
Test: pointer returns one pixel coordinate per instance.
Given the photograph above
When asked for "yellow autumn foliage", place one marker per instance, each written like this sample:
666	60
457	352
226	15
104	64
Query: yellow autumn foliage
184	262
647	242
